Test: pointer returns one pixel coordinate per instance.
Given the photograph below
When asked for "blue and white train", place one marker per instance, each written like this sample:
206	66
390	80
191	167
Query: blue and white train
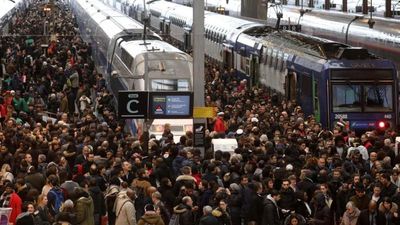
331	80
128	60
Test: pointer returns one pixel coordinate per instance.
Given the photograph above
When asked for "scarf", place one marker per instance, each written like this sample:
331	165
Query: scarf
5	200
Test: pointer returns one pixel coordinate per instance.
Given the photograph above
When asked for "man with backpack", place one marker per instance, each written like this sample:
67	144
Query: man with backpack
110	198
55	196
124	208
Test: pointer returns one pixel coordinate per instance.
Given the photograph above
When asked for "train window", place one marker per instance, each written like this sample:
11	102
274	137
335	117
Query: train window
346	97
264	55
170	85
126	58
243	63
378	98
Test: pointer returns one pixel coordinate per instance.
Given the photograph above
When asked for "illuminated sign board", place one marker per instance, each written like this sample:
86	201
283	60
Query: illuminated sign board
171	105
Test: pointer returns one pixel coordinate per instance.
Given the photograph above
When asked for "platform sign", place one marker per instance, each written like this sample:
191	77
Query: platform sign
132	104
199	134
171	105
204	112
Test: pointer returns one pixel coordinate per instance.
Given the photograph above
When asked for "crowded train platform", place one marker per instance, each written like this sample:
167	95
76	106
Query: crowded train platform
67	159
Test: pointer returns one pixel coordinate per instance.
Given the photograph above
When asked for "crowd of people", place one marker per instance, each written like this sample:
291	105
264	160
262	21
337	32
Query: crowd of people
66	158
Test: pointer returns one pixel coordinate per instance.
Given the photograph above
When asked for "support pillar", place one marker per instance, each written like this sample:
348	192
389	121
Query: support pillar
388	8
365	7
344	4
327	4
198	60
311	3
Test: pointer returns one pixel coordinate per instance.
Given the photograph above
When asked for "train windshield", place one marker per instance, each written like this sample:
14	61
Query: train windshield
346	97
362	97
362	90
378	98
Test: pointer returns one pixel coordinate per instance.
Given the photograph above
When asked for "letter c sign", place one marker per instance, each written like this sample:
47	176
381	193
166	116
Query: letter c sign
129	106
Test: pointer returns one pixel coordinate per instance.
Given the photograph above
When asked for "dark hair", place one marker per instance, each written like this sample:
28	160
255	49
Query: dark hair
274	193
149	207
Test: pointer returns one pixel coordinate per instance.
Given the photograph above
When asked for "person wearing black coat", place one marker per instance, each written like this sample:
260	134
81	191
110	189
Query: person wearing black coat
372	211
321	213
306	184
287	196
235	204
256	206
301	206
271	212
98	201
208	218
185	210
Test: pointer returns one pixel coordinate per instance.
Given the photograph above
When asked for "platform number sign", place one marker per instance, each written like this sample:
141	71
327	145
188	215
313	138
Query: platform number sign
132	104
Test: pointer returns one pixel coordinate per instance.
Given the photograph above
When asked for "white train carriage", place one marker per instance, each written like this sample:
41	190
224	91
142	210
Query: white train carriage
130	61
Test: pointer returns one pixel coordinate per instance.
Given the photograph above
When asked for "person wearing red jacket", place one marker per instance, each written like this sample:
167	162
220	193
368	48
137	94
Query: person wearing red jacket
10	199
219	125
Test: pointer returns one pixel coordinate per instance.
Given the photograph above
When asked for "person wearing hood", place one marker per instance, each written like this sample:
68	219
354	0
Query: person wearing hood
150	216
124	208
222	214
185	210
271	214
350	216
84	207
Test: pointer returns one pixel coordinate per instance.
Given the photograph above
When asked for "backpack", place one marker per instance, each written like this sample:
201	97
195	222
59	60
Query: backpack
174	219
59	199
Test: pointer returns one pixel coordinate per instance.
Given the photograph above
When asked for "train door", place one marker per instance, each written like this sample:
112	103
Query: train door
167	27
315	98
187	40
227	56
254	69
305	96
162	27
291	86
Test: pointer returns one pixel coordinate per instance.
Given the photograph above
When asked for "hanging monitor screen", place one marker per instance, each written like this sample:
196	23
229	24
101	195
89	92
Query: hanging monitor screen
171	105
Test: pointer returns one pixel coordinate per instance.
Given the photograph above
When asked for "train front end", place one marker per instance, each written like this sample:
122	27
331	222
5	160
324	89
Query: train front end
362	94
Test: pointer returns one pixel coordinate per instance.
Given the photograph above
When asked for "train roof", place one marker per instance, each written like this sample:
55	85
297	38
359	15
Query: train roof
137	47
124	21
300	43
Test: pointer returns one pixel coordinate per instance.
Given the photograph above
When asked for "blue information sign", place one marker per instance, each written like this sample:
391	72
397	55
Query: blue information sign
171	105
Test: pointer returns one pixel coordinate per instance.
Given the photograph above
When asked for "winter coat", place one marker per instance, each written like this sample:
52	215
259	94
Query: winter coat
98	200
186	214
209	220
270	214
85	211
364	218
389	214
219	125
124	209
16	206
350	218
322	216
223	217
151	218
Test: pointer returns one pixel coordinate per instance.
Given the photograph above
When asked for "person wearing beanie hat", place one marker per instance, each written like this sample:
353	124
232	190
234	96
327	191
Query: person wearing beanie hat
150	216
